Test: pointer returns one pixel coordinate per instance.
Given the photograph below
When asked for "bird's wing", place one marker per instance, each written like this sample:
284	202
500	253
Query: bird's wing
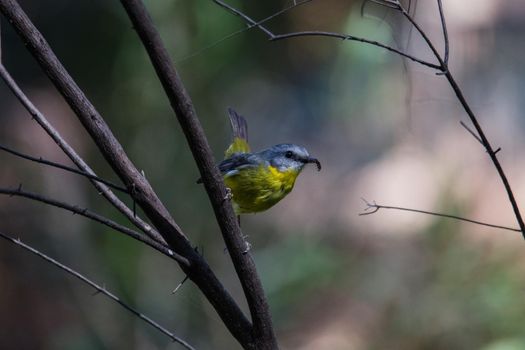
240	135
238	161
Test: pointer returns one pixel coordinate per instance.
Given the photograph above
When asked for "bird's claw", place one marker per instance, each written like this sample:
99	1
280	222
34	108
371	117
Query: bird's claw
229	194
247	244
248	248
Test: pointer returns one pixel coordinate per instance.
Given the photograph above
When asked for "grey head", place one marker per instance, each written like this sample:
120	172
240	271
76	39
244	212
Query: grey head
287	156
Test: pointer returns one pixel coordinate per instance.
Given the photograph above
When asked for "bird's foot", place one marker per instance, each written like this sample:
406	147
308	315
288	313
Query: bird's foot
229	194
247	244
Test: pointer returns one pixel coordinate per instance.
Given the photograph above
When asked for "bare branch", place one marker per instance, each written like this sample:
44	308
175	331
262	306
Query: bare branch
471	132
484	140
19	192
262	335
354	38
442	67
63	167
372	208
445	31
72	154
99	289
180	284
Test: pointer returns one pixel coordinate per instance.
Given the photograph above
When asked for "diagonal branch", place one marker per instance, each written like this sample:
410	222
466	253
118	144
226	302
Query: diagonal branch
19	192
99	289
198	271
41	160
73	155
263	334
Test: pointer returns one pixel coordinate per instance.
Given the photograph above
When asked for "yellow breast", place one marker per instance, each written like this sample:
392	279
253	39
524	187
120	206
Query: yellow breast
257	189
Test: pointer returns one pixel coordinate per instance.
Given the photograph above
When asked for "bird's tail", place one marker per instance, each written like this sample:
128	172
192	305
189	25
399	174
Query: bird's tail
239	125
240	134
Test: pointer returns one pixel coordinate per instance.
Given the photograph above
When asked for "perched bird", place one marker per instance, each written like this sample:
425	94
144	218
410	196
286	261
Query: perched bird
258	181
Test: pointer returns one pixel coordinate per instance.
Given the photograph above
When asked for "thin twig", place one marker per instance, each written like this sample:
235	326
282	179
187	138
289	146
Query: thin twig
180	284
374	207
19	192
243	16
445	31
73	155
63	167
471	132
99	289
231	35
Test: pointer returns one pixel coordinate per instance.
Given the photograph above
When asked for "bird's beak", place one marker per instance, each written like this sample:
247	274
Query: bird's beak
314	160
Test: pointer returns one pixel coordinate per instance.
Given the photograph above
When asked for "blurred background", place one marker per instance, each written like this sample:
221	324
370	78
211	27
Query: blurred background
383	129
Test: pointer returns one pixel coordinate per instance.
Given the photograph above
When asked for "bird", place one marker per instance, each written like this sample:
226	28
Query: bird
257	181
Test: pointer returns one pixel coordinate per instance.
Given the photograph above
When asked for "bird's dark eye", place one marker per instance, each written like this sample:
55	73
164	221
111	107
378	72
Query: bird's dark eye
288	154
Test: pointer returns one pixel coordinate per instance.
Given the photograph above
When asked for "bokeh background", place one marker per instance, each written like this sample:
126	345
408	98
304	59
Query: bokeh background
384	130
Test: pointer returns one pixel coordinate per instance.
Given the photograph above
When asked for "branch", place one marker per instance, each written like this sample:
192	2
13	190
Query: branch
250	26
372	208
63	167
99	289
484	140
276	37
471	132
72	154
354	38
199	271
385	3
263	334
95	217
247	19
445	31
492	153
